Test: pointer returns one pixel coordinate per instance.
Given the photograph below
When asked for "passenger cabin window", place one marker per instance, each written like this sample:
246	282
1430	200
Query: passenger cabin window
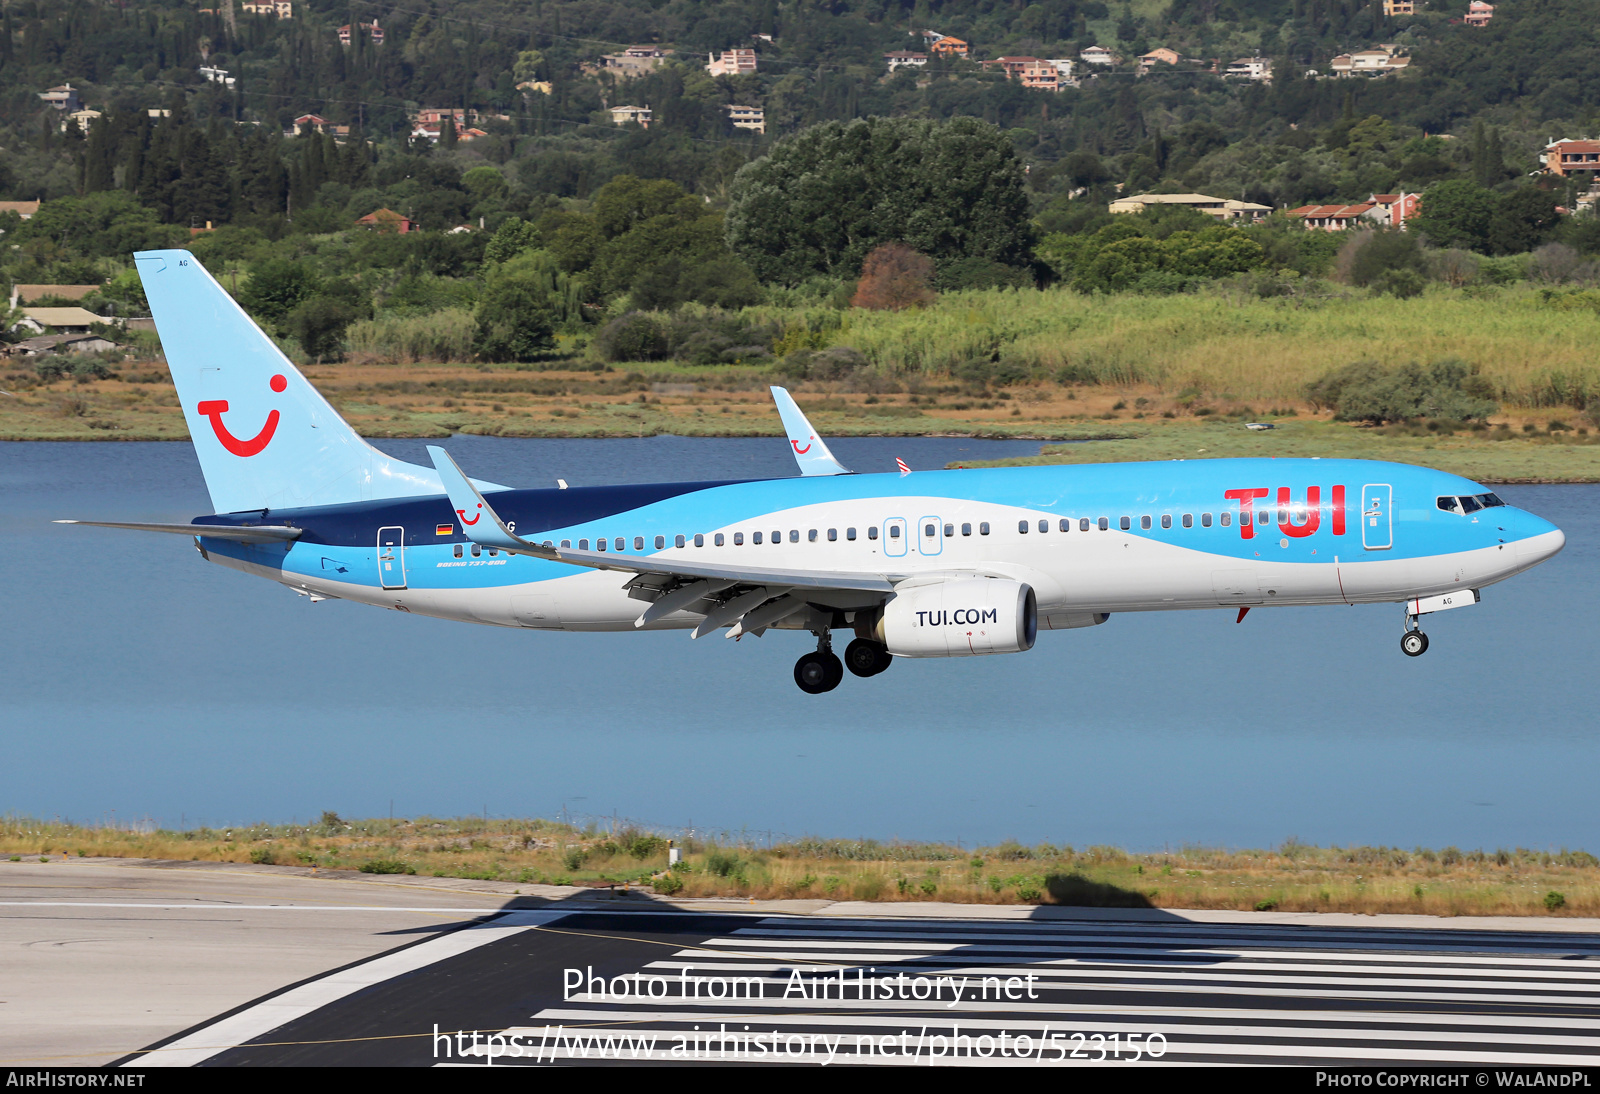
894	531
966	529
794	535
661	543
600	544
458	550
738	539
566	543
1166	520
1022	526
494	552
755	537
850	534
476	550
1205	520
1066	525
872	533
638	543
1105	523
1144	522
1083	524
620	543
699	539
1227	519
1263	516
949	530
928	530
833	535
677	541
777	537
1188	520
983	528
811	536
1044	526
718	539
1125	523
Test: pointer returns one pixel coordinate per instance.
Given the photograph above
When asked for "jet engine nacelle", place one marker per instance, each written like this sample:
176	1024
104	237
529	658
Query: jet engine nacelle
960	618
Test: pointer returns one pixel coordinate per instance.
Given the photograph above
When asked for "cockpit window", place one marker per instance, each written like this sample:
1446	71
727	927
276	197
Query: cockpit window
1468	504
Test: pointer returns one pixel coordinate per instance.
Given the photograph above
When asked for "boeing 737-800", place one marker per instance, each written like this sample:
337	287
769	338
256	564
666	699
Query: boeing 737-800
926	564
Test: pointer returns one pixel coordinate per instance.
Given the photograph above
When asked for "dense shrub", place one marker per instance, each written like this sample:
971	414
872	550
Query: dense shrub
1369	392
632	337
893	278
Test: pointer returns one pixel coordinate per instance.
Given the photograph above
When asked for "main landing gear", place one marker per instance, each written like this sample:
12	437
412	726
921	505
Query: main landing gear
821	671
1413	643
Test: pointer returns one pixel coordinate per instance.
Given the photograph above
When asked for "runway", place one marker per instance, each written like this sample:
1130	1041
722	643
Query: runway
412	973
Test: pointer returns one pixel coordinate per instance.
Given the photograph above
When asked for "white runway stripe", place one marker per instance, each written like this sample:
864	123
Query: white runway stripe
572	1017
1243	961
847	1042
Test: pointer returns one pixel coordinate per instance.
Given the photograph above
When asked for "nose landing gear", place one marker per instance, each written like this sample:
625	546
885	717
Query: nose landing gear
1413	643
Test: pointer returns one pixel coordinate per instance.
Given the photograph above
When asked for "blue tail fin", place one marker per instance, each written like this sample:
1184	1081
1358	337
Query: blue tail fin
266	438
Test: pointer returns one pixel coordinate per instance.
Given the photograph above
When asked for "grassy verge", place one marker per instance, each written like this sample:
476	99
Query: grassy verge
1494	455
1292	877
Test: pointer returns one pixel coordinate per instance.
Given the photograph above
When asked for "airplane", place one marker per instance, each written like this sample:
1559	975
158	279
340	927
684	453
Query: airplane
947	563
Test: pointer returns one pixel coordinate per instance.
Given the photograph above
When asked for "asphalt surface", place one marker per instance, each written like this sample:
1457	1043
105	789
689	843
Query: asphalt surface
152	966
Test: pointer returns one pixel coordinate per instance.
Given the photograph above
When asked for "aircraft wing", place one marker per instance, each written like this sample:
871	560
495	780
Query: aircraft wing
757	597
262	533
809	451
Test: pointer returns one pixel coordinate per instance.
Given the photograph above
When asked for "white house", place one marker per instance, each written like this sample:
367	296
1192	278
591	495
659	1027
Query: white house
1097	55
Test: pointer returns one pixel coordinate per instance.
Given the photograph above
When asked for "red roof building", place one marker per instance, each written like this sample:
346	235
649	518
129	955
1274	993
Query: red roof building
1332	218
1565	157
386	220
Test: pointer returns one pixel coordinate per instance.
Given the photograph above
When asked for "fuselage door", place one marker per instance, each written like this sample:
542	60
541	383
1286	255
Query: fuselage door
929	539
392	558
1377	522
894	537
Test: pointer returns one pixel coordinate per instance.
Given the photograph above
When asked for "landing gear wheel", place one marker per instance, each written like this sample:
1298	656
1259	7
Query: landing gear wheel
818	672
1414	643
866	658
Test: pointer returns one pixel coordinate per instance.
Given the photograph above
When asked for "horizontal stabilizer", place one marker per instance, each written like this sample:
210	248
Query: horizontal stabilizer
264	533
809	451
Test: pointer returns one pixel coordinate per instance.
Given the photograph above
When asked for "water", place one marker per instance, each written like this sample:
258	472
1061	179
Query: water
141	682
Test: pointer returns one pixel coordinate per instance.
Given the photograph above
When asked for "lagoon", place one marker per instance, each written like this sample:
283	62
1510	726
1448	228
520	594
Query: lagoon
140	682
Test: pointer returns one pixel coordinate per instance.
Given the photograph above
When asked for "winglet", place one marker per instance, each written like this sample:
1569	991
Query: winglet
476	517
809	451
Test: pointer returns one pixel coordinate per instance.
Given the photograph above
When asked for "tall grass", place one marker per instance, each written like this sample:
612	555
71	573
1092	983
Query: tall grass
1291	877
444	335
1536	353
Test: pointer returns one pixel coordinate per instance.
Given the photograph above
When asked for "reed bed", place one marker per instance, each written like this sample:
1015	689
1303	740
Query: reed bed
1290	877
1534	346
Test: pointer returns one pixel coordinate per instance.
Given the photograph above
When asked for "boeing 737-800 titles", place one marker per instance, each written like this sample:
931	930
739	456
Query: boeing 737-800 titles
925	564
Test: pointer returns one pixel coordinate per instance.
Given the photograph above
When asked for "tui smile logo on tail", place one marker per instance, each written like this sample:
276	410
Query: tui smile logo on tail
216	408
807	448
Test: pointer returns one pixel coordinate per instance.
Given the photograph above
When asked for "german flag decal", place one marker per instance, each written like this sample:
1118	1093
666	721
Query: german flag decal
445	530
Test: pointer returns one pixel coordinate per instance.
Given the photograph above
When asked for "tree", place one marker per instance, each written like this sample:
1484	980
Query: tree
1457	213
893	278
824	198
523	301
276	287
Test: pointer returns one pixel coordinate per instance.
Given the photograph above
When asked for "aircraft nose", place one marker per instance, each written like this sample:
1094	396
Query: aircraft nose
1537	540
